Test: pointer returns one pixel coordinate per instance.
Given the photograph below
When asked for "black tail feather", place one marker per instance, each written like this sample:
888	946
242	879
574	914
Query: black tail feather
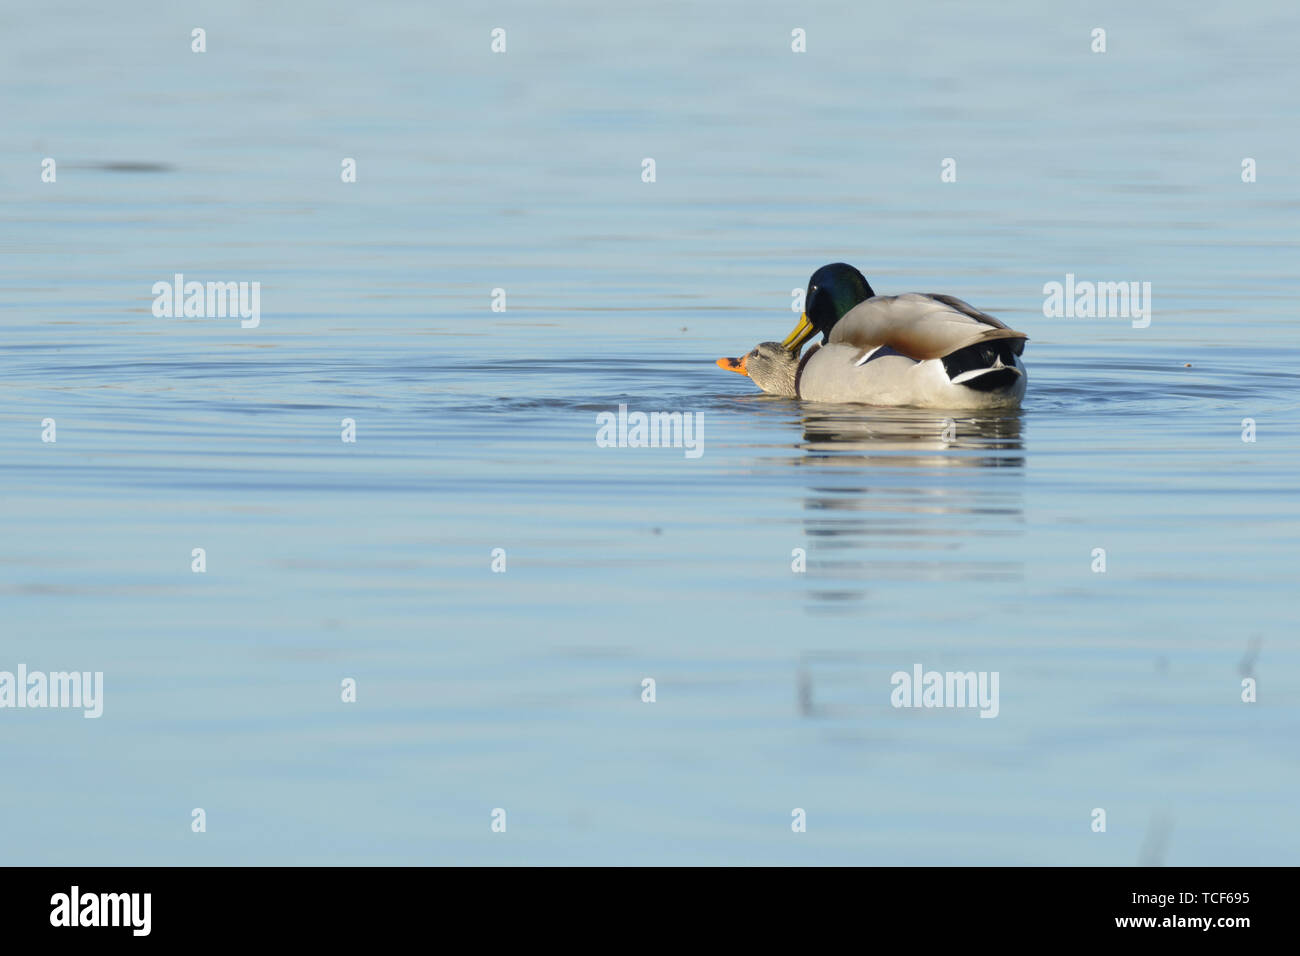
986	355
993	380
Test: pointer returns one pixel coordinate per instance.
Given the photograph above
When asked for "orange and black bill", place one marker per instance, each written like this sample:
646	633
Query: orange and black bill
734	365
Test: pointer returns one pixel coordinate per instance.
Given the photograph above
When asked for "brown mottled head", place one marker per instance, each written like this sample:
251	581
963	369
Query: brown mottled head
771	366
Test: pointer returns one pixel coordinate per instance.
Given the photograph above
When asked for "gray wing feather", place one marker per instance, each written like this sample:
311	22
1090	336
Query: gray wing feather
919	326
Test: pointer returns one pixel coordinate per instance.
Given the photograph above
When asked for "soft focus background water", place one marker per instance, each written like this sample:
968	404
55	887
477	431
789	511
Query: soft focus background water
476	430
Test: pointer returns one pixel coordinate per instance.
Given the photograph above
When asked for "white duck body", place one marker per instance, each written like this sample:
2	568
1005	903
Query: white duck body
926	351
882	376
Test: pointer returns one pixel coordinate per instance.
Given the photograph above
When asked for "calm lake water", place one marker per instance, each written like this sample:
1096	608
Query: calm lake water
475	430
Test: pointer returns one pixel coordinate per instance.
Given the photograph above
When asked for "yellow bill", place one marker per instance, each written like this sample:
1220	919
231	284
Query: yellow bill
801	334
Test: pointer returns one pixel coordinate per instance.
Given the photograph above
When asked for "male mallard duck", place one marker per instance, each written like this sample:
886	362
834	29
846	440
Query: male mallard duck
927	351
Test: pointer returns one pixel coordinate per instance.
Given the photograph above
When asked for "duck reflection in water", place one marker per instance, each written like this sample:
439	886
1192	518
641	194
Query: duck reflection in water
906	498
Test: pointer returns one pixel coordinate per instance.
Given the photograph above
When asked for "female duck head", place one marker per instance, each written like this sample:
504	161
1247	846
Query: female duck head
771	365
832	291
